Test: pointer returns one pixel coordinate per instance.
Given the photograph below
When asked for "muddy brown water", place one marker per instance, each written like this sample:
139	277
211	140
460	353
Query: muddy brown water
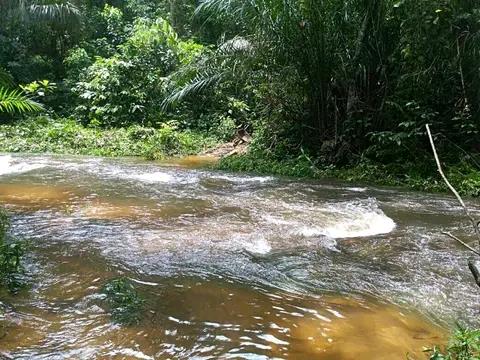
231	266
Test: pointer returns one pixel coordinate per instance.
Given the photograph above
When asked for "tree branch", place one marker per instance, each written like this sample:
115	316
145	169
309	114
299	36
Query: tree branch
461	242
471	265
452	189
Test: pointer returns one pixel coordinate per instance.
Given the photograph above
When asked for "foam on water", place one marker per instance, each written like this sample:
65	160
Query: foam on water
259	246
243	179
337	220
356	189
154	177
362	224
140	174
9	166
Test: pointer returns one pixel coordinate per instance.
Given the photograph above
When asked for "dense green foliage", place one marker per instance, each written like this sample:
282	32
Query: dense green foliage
345	80
123	300
465	345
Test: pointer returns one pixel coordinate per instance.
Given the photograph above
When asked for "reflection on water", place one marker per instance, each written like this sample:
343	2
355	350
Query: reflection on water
231	266
191	161
34	196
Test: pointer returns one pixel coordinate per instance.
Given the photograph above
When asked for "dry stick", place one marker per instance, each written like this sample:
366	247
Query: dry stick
452	189
471	264
461	242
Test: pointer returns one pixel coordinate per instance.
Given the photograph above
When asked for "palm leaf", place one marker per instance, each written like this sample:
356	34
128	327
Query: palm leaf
194	87
12	101
59	11
225	64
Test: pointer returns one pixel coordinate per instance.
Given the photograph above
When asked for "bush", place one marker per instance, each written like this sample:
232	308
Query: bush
76	61
11	252
129	86
465	345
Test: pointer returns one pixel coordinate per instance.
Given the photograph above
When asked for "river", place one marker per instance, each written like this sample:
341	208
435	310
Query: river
231	266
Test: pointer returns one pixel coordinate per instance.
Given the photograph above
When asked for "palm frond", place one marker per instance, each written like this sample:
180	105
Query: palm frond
12	101
215	7
197	85
59	11
226	64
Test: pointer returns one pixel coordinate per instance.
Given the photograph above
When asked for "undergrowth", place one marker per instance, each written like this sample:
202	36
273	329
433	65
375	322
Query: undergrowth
464	345
66	136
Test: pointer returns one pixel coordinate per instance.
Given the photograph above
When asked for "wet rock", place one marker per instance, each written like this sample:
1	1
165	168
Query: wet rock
474	266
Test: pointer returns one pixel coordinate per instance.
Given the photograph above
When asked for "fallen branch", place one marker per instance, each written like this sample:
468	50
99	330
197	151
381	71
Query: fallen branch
461	242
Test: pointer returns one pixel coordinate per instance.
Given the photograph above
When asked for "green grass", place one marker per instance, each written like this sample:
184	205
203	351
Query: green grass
66	136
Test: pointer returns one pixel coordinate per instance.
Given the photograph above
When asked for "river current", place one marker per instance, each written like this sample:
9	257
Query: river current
232	266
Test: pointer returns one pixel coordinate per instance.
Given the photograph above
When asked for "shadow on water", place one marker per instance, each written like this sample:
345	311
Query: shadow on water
230	266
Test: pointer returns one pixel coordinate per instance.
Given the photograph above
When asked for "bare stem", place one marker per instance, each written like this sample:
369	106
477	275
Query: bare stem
462	242
452	189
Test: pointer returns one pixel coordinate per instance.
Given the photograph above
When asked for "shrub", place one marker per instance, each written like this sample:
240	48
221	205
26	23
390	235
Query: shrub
464	345
76	61
11	252
128	87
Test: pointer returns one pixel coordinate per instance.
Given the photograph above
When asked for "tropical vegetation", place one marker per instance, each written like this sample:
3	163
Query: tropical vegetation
464	345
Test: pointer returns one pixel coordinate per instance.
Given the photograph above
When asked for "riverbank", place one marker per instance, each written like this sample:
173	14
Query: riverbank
420	177
43	135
